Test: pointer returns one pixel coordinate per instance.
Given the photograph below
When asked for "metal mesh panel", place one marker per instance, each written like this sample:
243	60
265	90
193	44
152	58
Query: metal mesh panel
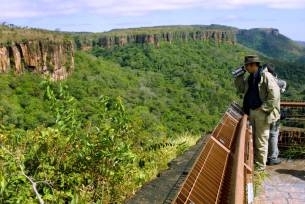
204	181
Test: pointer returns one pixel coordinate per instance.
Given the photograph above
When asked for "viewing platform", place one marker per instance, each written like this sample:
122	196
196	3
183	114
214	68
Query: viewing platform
219	168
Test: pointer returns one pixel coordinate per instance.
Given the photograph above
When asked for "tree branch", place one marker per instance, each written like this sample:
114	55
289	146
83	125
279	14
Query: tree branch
34	184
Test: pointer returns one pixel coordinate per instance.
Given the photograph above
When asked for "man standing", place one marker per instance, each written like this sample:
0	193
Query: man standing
261	102
273	151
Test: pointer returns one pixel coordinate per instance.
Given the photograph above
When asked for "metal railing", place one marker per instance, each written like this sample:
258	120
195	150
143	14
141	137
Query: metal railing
292	130
223	170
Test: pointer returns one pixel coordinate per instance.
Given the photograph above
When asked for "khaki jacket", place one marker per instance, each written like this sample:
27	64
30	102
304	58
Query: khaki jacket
269	93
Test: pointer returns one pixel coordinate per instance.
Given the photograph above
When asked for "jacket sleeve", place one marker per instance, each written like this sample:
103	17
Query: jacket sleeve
240	84
272	94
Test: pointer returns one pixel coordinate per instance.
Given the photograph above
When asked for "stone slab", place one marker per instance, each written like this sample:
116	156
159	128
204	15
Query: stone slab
284	184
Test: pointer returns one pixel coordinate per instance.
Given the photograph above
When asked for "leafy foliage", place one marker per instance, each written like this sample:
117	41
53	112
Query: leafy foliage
72	158
75	160
79	160
180	79
22	103
293	73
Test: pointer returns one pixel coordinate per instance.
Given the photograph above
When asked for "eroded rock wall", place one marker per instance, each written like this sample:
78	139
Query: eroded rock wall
55	59
208	35
154	37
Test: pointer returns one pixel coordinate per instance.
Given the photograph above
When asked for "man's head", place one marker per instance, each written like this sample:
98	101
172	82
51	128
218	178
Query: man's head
252	63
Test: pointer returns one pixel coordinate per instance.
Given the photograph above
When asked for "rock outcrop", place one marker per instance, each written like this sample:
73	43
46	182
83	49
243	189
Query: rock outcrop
156	38
267	31
53	58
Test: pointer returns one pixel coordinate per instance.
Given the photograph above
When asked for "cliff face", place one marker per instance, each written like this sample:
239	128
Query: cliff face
154	37
217	36
266	31
42	56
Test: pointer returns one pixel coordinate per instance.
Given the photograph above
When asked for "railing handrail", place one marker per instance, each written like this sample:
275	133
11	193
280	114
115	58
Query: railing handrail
292	104
238	180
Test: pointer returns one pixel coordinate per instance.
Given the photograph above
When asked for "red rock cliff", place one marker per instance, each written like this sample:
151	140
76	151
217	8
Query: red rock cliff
53	58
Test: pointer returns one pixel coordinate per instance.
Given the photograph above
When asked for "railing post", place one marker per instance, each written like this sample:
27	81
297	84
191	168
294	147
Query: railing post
249	166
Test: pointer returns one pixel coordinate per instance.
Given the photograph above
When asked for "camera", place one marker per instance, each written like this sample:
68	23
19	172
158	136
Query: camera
239	71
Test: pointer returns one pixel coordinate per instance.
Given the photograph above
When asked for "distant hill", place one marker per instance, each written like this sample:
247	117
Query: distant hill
12	33
155	35
175	28
271	43
302	43
268	41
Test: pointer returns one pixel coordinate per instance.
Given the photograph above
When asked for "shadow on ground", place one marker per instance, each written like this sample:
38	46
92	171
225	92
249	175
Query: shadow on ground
296	173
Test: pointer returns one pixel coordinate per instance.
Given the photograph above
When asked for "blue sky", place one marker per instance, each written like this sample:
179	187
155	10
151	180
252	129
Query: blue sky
102	15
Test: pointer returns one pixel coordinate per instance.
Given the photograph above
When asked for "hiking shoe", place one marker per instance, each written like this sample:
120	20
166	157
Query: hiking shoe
271	162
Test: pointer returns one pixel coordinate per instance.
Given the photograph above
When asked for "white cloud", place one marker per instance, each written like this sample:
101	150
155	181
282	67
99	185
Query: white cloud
130	6
36	8
31	8
279	4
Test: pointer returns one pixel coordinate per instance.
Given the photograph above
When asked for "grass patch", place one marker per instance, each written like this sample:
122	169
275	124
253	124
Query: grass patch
259	177
294	152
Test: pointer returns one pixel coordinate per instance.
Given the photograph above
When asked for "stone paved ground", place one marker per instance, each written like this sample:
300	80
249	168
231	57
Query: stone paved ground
284	184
